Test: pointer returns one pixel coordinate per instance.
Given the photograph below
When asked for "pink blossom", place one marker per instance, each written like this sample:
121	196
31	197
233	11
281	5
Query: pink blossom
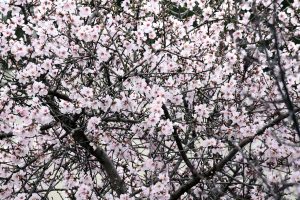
209	142
166	127
103	54
84	11
92	123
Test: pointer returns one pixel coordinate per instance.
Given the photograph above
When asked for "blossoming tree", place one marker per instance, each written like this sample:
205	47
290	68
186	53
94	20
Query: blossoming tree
153	99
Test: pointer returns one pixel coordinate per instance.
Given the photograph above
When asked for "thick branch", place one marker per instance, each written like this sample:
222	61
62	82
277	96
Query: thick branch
5	135
116	182
70	126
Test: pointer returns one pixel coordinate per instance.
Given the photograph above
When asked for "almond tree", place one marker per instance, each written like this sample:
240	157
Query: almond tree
149	99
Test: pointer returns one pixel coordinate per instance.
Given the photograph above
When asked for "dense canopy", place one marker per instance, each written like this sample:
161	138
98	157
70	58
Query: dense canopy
149	99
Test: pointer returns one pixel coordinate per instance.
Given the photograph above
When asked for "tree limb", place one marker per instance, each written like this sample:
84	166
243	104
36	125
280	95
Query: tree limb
179	144
218	167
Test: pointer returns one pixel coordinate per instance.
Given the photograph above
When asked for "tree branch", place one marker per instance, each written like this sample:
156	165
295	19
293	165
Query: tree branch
43	128
218	167
179	144
116	182
70	126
